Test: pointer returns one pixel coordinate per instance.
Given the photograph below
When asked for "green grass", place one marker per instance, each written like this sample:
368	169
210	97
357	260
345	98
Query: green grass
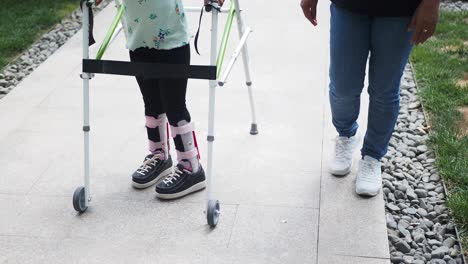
439	64
22	22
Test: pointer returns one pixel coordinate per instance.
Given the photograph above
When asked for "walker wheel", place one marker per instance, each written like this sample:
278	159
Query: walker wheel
79	200
213	213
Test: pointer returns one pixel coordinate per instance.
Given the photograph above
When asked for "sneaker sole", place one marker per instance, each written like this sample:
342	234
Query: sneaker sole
341	173
197	187
368	194
156	180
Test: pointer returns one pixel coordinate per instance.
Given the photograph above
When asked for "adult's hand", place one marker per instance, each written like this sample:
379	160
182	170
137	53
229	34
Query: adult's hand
220	2
424	21
309	7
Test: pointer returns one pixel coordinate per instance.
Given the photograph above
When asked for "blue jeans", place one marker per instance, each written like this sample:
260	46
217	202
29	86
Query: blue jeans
352	38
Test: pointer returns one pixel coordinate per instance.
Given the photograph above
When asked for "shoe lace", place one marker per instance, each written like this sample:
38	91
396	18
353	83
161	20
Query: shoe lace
148	164
173	177
343	149
367	172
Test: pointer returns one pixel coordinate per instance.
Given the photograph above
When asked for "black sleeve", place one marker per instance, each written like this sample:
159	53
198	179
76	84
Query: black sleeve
91	22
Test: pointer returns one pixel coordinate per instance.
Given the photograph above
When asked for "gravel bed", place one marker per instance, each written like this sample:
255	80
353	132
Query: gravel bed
419	225
454	6
16	71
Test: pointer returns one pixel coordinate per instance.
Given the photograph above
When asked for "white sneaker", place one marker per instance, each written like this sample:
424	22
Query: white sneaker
343	159
369	177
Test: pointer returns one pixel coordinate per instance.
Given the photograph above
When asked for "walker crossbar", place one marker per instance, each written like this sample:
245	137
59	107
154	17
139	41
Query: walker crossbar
149	70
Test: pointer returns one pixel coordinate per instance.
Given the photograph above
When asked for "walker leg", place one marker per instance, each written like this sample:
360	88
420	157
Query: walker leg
245	59
82	196
213	209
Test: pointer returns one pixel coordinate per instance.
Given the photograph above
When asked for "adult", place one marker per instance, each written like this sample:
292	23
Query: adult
383	32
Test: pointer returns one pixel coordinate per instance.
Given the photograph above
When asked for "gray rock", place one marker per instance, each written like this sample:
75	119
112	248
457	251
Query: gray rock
429	186
408	259
414	105
402	246
421	193
3	83
439	209
435	177
393	238
422	148
396	259
418	235
399	194
386	191
403	224
434	242
402	187
427	256
449	242
440	252
389	185
393	207
422	212
410	210
422	157
391	223
398	175
450	227
443	218
454	253
430	234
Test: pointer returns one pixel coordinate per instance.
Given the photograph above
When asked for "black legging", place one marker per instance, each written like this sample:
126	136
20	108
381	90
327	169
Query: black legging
164	95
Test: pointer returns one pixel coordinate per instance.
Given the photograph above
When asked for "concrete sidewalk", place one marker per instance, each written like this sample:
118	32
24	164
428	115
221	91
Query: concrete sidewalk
279	203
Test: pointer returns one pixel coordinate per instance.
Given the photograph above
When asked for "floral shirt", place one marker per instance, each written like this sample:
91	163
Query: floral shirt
159	24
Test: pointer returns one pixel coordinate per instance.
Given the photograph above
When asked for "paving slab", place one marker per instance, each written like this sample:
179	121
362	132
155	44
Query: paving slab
351	260
358	222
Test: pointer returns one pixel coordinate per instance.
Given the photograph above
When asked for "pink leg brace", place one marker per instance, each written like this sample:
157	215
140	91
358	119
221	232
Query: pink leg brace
191	151
163	129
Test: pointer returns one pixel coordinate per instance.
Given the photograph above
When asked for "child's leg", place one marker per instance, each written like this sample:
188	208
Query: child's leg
173	92
188	176
158	164
156	123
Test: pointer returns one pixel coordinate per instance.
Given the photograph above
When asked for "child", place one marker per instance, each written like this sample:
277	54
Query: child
157	32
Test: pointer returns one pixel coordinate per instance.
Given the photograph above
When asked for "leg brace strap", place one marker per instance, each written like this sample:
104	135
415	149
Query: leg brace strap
182	130
187	154
162	125
153	122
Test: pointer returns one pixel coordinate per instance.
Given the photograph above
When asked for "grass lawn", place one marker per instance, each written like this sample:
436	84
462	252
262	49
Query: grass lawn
22	22
442	73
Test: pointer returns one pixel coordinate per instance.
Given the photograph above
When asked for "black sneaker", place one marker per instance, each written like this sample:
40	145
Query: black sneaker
151	171
180	183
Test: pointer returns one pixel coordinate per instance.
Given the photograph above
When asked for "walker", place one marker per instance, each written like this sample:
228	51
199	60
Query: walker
211	72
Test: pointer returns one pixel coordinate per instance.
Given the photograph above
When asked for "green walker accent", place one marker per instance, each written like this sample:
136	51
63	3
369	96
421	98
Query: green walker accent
225	39
110	33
